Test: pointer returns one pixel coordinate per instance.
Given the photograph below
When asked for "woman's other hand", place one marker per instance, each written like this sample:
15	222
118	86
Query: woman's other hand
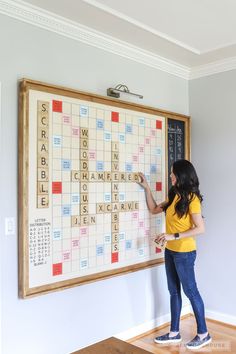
163	238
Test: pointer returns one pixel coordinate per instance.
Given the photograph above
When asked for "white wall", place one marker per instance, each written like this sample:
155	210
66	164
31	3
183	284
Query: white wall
62	322
213	112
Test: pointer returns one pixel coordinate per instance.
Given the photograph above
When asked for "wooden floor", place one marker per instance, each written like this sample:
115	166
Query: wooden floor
223	339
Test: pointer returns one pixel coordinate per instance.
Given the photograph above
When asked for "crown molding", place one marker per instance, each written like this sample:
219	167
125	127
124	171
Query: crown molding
122	16
212	68
141	25
36	16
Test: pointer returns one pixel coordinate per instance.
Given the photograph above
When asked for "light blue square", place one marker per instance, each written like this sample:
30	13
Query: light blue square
128	167
100	166
122	138
107	238
128	244
83	264
66	165
129	128
142	122
83	111
56	234
122	236
56	141
100	250
121	196
100	124
66	210
141	252
153	169
107	136
107	197
75	199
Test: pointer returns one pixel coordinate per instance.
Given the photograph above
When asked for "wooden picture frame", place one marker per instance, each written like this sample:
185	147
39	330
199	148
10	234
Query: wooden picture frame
33	93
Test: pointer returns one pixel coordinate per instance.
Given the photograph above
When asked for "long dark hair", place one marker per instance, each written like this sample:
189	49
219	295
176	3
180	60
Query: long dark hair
186	187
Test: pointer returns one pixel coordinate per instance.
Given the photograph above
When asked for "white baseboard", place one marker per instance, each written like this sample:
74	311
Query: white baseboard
147	326
222	317
187	309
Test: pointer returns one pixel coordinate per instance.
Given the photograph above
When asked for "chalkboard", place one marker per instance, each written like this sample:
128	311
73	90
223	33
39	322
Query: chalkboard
178	142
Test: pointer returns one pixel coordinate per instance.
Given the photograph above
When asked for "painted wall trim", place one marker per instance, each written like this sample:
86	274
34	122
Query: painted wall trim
147	326
141	25
221	317
213	68
187	309
224	318
36	16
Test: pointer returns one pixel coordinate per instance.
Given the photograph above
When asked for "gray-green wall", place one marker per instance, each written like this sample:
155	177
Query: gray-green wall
61	322
213	112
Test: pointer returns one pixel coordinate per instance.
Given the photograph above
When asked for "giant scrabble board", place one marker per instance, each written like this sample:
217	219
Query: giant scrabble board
83	216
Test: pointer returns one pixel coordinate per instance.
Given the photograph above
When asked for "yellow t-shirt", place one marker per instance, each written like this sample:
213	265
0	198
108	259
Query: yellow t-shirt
175	224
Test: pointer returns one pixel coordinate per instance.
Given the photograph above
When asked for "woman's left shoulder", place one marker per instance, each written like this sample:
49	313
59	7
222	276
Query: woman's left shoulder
195	204
193	197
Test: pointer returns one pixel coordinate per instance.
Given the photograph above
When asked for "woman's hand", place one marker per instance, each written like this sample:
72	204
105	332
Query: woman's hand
161	239
143	182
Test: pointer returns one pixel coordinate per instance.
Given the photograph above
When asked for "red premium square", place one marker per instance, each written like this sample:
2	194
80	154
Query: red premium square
114	257
158	124
57	106
158	186
158	250
115	116
56	187
57	269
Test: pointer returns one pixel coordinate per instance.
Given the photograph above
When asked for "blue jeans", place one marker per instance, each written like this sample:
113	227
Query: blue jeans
180	270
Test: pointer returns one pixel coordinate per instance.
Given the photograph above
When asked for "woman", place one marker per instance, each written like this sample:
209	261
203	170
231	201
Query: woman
183	222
